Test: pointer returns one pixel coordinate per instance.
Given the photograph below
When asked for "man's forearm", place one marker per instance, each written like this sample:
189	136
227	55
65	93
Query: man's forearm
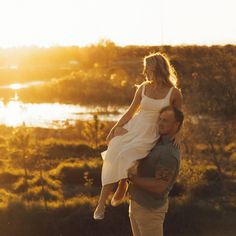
149	184
165	174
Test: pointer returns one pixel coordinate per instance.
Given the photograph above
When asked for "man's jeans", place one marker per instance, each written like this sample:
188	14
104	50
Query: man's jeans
147	222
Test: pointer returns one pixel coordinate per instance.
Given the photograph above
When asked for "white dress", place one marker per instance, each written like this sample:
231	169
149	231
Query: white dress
124	150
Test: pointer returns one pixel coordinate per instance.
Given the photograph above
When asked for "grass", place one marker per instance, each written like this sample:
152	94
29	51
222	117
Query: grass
71	173
74	217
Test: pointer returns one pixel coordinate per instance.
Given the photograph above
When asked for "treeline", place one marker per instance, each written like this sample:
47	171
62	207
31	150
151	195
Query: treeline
105	74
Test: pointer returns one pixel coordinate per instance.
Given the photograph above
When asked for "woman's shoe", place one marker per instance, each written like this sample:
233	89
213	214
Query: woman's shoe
99	213
115	202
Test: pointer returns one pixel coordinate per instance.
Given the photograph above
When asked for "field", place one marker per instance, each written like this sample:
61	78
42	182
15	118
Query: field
50	178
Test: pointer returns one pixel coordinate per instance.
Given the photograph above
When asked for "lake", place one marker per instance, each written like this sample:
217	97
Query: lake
55	115
50	115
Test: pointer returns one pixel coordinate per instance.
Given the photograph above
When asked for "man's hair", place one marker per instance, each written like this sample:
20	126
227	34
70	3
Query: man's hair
179	115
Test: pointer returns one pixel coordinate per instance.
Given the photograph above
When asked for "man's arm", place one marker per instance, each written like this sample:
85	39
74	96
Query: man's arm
165	172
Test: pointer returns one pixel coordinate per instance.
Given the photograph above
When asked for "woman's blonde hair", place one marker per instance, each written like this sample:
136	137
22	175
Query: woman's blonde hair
159	64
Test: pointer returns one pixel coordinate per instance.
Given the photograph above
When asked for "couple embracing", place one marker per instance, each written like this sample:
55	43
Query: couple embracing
143	153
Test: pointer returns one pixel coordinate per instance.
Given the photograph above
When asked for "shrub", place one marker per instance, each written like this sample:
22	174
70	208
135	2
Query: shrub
69	150
36	194
20	186
47	181
211	175
207	190
177	190
210	185
77	173
8	178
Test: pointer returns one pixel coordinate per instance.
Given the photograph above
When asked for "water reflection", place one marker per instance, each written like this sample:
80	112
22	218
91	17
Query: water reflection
16	86
51	115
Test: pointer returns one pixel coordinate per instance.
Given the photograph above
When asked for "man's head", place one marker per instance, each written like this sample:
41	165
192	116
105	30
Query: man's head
170	120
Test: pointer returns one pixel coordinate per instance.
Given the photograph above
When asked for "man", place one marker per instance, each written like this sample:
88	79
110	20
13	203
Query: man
156	175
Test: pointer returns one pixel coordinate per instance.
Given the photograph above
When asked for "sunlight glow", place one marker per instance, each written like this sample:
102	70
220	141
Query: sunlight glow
48	115
16	86
14	115
142	22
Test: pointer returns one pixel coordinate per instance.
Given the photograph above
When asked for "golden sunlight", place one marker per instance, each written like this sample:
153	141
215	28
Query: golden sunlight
77	22
14	115
16	86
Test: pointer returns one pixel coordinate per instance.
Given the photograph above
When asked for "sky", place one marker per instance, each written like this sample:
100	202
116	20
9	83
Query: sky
125	22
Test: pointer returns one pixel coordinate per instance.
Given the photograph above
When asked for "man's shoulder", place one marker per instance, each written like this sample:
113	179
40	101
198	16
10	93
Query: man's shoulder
173	150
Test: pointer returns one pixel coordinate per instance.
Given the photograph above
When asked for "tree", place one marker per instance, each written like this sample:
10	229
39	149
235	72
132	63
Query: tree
20	149
94	131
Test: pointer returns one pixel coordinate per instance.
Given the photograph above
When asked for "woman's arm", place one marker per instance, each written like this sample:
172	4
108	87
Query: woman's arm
177	102
132	108
129	113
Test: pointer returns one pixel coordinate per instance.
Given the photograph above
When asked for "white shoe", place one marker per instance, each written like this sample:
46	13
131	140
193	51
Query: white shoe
99	213
115	202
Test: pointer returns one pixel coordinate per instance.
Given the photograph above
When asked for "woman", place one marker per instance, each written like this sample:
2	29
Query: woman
135	134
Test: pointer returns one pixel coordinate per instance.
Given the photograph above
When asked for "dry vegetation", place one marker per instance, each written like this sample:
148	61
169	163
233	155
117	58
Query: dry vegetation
50	179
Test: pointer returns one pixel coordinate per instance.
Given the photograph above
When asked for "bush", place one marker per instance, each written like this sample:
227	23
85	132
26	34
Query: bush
8	178
36	194
207	190
177	190
210	185
77	173
47	181
211	175
20	186
69	150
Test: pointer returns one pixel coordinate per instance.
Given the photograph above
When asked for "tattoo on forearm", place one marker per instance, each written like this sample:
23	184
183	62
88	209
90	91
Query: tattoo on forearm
164	174
165	171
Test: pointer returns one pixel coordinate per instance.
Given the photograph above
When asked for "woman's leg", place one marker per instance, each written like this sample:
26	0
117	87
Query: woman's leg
120	192
123	186
100	209
105	191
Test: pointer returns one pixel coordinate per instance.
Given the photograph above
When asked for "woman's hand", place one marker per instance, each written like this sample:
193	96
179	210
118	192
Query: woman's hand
128	114
177	140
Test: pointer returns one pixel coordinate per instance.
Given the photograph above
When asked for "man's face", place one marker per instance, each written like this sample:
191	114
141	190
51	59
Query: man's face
167	123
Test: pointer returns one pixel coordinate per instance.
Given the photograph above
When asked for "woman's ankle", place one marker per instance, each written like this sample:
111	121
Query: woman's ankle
101	205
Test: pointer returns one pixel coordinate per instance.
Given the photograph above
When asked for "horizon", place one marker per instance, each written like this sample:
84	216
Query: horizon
97	43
